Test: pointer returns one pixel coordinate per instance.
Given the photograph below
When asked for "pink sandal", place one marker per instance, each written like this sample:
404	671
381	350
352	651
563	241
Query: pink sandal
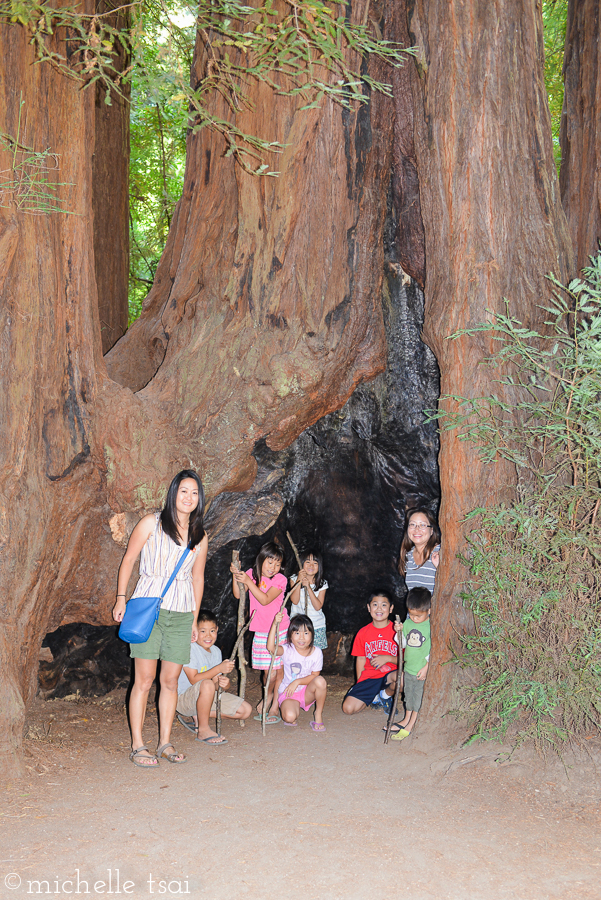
317	726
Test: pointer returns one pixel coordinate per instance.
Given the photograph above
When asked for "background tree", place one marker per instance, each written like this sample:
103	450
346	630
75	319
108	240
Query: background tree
580	129
158	124
554	32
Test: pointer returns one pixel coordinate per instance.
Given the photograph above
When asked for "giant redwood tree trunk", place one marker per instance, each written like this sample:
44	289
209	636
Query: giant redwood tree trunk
50	352
265	315
494	228
580	136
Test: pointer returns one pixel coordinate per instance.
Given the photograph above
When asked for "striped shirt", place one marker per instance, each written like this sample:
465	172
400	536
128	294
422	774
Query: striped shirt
420	576
158	559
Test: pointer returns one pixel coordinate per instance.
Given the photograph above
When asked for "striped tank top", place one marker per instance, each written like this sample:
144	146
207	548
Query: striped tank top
420	576
158	559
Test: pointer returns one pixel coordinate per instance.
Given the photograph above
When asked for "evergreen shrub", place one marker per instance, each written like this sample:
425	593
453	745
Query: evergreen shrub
535	563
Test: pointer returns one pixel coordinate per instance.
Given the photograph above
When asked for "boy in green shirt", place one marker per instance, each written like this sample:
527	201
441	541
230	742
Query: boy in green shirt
416	643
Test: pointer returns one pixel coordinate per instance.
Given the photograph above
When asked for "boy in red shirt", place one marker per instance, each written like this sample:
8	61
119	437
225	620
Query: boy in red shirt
377	659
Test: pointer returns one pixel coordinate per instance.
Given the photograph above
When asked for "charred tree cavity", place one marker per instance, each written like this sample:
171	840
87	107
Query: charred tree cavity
345	484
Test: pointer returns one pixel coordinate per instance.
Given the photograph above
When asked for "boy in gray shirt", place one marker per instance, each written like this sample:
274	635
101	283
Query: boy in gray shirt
198	681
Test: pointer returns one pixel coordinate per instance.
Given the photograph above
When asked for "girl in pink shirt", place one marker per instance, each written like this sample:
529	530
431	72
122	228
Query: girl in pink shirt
266	588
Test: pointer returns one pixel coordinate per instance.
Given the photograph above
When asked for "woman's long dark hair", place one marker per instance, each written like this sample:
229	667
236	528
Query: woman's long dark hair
407	543
270	550
304	556
168	517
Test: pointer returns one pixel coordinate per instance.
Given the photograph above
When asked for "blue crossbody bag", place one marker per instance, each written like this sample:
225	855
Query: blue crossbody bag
142	612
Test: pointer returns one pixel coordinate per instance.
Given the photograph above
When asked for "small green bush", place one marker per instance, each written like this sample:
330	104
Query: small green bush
534	584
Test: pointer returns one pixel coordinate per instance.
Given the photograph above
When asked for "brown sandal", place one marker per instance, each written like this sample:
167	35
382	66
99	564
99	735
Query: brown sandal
171	757
154	764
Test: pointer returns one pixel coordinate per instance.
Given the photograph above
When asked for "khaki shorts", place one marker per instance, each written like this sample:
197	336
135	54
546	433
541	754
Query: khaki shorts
186	702
169	639
414	692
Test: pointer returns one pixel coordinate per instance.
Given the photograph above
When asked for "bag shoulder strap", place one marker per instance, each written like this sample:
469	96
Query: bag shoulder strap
175	571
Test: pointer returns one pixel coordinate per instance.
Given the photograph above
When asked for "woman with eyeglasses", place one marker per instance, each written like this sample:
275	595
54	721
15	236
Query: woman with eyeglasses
420	550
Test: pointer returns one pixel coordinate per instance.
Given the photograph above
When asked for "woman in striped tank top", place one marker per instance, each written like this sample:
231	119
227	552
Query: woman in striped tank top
159	540
420	550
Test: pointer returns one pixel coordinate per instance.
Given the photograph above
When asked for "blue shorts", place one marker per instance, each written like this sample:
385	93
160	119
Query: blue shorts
368	689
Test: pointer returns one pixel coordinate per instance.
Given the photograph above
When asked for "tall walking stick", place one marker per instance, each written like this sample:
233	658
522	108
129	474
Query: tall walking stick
232	656
270	670
241	611
397	689
296	553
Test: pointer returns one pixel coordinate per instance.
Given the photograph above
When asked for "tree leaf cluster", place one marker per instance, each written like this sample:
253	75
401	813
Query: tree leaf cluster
297	47
534	565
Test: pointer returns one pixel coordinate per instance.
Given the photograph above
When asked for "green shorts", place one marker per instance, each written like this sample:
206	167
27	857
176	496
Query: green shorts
169	639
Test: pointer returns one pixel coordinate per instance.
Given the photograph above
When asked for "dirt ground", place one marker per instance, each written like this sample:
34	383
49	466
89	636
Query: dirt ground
294	814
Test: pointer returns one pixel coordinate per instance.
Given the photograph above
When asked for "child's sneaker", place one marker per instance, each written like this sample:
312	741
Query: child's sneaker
386	704
376	703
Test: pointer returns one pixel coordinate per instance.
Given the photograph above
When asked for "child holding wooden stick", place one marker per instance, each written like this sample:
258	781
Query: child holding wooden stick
266	586
309	593
198	683
302	685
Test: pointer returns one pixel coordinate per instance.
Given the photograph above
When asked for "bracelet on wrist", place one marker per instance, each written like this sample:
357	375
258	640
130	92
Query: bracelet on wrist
121	595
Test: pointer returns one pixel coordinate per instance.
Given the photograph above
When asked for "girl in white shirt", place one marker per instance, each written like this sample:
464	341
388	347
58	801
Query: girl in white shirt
302	685
309	593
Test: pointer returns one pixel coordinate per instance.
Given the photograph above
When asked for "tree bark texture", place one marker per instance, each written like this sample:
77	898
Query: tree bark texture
265	313
494	228
580	135
110	199
49	355
409	236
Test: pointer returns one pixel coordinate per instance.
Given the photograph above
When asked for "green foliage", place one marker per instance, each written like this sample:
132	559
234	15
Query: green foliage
534	582
302	44
534	590
92	46
158	124
555	14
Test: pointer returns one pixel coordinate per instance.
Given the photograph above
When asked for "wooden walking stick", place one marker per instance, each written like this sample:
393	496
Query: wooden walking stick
293	545
397	689
270	670
241	611
231	658
296	553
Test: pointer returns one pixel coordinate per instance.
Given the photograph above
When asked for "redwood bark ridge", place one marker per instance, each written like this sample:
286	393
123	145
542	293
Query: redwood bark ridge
580	134
50	514
494	228
111	200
